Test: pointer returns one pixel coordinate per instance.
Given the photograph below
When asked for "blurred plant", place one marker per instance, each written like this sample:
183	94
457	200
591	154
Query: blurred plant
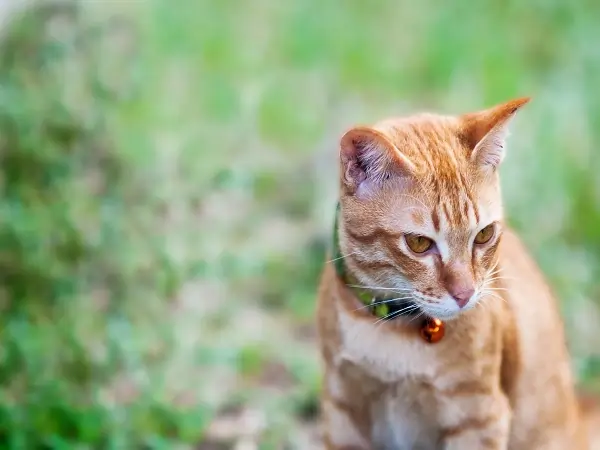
68	286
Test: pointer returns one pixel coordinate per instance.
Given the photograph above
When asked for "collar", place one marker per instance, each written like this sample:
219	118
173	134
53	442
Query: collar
375	304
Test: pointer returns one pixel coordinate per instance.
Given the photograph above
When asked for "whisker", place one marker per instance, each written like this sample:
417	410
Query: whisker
492	294
493	275
490	282
501	278
382	319
395	314
487	287
375	288
401	311
408	308
497	289
341	257
494	269
383	302
417	316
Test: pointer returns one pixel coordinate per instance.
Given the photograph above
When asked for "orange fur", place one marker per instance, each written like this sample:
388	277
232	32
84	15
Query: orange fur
500	378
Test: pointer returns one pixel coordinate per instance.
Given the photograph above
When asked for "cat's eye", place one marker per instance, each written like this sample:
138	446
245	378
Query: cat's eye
417	243
485	234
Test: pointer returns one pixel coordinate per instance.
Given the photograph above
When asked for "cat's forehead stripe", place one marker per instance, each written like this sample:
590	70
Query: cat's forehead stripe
456	213
446	211
467	191
435	219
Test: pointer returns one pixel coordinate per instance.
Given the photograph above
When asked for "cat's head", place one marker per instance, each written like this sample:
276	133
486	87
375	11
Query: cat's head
421	206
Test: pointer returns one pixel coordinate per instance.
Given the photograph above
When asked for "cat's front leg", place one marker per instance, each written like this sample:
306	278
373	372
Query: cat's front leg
477	421
342	432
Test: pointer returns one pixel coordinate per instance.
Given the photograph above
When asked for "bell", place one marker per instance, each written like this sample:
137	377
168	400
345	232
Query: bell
433	330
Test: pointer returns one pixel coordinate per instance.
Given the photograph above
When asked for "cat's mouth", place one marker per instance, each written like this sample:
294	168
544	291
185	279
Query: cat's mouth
414	307
444	308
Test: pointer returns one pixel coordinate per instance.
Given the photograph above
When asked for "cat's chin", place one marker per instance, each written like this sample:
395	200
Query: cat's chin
447	316
442	314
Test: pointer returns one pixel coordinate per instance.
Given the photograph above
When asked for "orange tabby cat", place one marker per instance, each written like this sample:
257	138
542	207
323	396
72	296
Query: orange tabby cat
420	234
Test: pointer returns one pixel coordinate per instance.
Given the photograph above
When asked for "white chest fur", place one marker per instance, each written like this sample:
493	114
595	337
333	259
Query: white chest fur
402	420
405	417
385	354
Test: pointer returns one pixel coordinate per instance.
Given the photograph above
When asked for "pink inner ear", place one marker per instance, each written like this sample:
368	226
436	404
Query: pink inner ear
355	172
490	150
486	131
478	125
369	158
364	157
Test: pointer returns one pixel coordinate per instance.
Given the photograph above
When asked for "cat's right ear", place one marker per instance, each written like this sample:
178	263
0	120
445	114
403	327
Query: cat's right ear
369	159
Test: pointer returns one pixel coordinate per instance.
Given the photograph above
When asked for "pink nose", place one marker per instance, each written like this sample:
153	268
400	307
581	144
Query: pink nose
462	298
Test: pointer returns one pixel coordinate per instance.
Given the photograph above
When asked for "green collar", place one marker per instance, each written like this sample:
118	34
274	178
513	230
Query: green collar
366	297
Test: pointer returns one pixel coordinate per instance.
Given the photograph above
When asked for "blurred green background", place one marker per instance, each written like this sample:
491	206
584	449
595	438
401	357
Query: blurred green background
167	184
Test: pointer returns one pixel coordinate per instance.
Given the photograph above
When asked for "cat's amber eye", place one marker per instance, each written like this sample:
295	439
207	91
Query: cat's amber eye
418	244
485	234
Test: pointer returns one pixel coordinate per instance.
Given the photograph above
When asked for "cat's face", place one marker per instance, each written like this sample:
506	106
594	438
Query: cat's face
421	207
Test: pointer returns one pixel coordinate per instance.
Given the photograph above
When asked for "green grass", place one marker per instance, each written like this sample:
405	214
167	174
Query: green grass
167	186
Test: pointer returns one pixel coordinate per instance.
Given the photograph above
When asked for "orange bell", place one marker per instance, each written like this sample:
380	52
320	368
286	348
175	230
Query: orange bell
433	330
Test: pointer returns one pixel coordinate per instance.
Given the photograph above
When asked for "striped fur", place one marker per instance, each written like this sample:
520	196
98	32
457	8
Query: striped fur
490	383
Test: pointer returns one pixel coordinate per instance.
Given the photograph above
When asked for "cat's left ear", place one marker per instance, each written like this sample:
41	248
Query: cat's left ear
486	131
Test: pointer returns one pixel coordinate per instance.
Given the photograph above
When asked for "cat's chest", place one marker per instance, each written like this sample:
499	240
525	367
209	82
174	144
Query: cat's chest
404	419
388	355
404	416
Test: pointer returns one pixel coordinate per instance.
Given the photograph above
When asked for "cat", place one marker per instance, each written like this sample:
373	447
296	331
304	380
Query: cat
419	236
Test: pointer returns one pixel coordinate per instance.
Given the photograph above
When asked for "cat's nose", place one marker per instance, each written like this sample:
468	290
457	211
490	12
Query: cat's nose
462	297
